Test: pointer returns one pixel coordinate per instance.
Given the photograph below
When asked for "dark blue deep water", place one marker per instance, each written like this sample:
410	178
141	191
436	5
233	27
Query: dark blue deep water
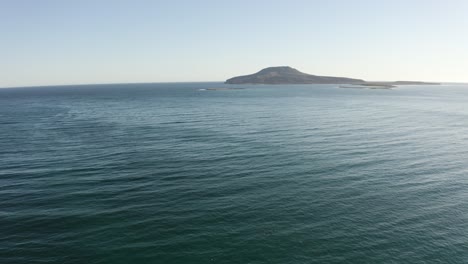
169	173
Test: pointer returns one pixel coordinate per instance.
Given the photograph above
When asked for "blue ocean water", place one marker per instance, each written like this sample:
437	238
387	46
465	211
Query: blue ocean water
174	173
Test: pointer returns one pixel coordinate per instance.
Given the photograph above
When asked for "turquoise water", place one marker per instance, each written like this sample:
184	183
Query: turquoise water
169	173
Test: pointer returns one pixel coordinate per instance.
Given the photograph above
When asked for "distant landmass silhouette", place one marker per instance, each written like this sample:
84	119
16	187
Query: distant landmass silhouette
288	75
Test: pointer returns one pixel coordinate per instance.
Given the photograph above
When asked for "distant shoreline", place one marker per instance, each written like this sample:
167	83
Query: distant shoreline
287	75
199	82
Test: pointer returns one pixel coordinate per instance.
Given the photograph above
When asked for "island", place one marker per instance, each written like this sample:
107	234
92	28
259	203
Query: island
288	75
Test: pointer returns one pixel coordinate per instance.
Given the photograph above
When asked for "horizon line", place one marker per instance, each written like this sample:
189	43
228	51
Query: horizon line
110	83
167	82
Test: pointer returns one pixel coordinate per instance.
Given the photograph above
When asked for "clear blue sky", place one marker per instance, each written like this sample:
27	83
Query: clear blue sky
98	41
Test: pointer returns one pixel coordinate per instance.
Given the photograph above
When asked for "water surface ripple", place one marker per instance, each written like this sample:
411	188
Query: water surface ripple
169	173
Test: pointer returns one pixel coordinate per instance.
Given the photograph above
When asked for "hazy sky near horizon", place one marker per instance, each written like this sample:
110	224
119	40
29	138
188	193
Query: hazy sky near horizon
110	41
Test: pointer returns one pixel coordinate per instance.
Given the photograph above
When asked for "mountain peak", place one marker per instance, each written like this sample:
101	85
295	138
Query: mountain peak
280	69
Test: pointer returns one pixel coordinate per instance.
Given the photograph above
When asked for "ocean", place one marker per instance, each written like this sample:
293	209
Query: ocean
189	173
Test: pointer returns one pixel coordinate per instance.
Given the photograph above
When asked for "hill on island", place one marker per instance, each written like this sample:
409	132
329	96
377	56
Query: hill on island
288	75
